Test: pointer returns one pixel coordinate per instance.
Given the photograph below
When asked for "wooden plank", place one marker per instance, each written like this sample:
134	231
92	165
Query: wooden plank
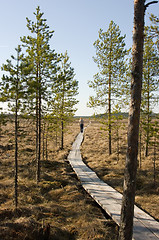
145	227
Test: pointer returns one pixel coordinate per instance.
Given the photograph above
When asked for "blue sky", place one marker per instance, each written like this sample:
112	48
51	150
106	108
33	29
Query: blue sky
76	24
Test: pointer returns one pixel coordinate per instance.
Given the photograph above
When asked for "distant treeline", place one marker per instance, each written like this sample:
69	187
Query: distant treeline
123	114
102	115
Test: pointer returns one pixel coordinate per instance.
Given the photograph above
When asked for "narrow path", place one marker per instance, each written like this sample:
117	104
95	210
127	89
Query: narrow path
145	227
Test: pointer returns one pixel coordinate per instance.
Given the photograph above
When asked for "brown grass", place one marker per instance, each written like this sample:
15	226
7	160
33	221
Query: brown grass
58	199
95	154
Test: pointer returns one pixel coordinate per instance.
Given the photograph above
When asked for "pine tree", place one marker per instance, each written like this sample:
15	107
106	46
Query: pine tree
154	29
64	89
127	209
109	83
150	84
12	91
155	144
42	61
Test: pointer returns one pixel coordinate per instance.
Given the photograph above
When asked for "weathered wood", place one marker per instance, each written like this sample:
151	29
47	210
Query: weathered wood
145	227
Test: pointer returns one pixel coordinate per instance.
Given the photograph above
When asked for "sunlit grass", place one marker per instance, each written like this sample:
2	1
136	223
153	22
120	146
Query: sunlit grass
95	154
58	199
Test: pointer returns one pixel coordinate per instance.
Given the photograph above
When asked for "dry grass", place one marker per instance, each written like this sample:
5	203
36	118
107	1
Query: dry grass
95	154
58	199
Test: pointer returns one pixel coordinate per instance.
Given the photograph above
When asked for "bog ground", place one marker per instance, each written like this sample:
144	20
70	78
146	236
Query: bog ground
111	170
59	199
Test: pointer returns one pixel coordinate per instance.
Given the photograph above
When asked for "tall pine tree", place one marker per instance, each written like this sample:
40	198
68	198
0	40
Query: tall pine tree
128	200
109	83
12	90
42	60
150	84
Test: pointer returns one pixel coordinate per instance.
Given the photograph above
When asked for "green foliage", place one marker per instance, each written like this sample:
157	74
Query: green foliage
43	66
13	85
150	84
41	58
64	90
110	59
154	29
111	81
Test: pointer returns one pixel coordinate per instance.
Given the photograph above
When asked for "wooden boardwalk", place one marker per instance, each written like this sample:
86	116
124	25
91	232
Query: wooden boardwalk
145	227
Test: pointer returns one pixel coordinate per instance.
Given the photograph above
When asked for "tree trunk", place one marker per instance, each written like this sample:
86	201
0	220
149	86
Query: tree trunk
62	134
109	116
44	141
140	147
56	136
16	136
38	124
37	133
39	142
127	210
46	152
154	161
118	144
109	103
16	155
148	119
39	127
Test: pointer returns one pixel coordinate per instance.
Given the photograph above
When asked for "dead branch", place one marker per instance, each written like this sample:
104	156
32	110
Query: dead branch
147	5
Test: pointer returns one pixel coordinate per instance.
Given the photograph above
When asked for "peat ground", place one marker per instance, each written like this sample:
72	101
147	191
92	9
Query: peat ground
58	200
111	169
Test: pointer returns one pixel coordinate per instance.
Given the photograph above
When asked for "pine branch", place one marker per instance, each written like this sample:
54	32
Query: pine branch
147	5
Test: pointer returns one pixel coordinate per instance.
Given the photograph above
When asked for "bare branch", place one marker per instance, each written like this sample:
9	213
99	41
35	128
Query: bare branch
147	5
